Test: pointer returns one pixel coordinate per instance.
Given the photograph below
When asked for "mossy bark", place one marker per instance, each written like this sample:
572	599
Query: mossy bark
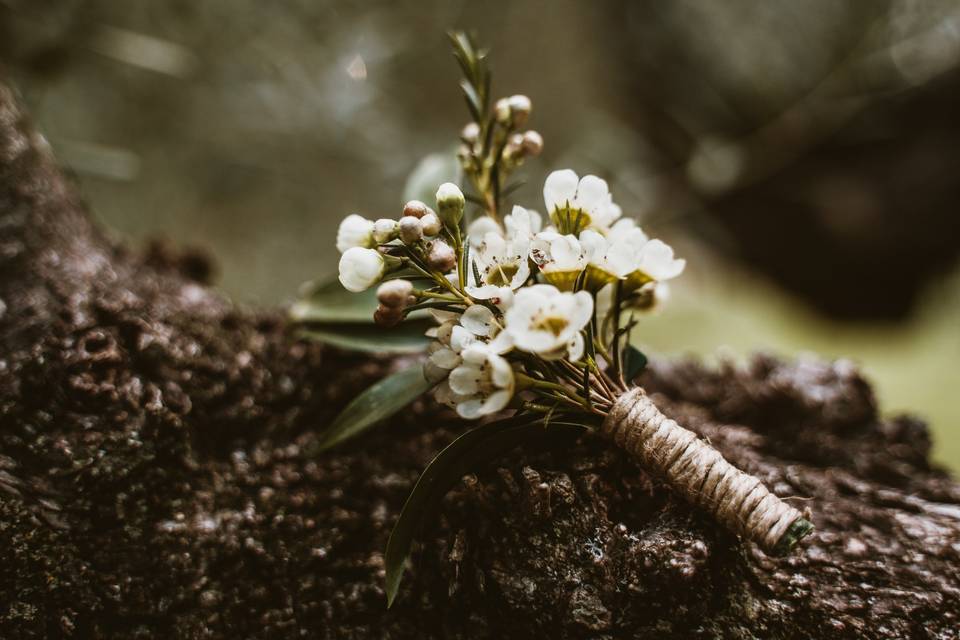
153	480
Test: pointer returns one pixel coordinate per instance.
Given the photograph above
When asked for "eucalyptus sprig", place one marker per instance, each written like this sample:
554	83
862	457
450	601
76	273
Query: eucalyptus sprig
528	324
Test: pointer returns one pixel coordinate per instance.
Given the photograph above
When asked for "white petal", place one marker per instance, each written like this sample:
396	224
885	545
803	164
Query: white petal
559	189
465	379
521	276
592	194
496	402
621	258
582	310
460	338
476	354
486	292
575	347
656	260
478	320
594	246
445	358
470	409
568	254
501	374
502	343
479	229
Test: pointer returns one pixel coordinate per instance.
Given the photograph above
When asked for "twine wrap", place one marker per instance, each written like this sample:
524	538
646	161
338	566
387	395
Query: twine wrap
702	476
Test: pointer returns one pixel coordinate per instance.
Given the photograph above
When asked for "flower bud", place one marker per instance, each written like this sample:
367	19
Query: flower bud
514	147
395	293
355	231
470	133
520	107
431	224
450	204
388	316
361	268
501	110
416	209
532	143
442	257
384	230
411	230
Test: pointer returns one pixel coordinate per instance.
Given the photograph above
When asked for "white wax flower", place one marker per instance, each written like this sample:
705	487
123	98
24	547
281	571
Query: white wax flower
478	229
589	196
656	261
477	325
502	264
545	321
607	259
361	268
482	384
355	231
522	224
560	258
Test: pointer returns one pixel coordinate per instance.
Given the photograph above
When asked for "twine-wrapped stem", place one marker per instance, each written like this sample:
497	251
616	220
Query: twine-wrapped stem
702	476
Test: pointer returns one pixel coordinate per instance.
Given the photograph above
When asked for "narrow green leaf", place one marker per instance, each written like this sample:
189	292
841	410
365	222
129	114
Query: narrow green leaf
378	402
329	302
406	337
634	361
479	445
473	100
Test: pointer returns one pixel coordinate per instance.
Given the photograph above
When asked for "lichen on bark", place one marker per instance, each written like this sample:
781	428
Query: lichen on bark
154	480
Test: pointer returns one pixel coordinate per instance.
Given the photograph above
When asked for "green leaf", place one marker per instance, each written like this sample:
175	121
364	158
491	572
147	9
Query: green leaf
473	100
329	302
376	403
479	445
406	337
634	361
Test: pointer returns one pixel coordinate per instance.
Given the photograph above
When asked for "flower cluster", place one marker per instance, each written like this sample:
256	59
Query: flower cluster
528	307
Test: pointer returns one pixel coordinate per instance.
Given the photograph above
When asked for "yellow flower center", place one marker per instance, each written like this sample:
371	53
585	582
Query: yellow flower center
569	220
501	274
553	324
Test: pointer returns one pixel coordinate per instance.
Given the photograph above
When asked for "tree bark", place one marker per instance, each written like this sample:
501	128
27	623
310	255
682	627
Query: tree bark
154	480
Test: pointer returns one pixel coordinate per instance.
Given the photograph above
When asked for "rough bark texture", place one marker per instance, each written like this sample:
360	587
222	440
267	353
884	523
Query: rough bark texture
153	481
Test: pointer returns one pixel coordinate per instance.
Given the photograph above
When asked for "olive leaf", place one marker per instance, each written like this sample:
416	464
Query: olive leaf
634	361
482	444
406	337
378	402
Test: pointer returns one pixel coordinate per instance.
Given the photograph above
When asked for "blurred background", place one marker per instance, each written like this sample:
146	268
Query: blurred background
803	156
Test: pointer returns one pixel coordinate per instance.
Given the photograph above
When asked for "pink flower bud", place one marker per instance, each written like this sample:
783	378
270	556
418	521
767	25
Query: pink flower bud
395	293
416	209
388	316
411	230
431	224
442	257
520	107
532	143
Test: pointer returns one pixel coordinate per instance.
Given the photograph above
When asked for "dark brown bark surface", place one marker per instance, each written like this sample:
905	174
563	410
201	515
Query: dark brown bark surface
154	481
